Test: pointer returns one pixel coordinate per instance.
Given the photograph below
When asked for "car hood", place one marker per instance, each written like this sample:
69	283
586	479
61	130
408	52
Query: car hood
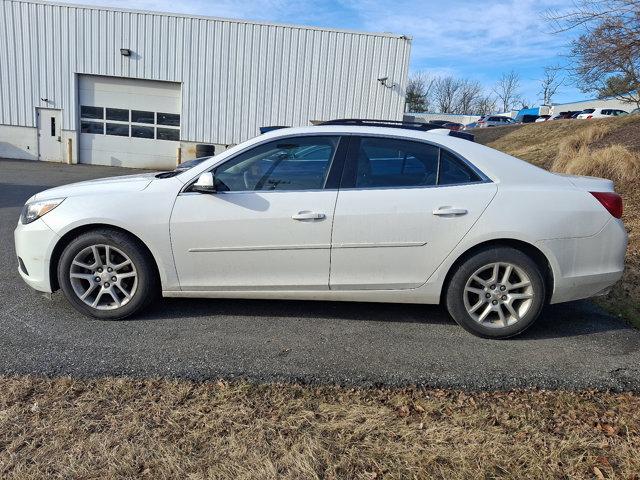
126	183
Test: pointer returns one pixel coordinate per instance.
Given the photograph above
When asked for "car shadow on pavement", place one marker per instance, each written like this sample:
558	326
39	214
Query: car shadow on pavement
557	321
381	312
573	319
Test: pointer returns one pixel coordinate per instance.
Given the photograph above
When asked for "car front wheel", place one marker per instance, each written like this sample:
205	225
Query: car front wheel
107	274
497	293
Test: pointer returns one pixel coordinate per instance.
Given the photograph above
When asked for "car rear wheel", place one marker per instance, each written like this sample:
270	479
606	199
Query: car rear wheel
107	274
497	293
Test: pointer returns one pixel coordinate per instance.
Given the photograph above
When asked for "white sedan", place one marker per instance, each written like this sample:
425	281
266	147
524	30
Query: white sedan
590	113
364	212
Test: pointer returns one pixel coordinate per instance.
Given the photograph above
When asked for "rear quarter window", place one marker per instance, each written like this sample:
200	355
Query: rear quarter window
453	171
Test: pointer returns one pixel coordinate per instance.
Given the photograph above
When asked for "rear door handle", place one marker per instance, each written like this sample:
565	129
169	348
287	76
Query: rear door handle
306	215
449	212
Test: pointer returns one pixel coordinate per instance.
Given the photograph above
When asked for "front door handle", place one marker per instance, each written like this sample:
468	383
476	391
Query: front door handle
449	212
307	215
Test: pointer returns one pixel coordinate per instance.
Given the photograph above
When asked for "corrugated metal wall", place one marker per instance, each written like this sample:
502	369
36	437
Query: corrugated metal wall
236	76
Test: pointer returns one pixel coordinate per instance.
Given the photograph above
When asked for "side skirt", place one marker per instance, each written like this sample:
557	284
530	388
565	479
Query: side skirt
419	295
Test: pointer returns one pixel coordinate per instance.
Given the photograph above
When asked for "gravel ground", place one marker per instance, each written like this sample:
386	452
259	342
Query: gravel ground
572	346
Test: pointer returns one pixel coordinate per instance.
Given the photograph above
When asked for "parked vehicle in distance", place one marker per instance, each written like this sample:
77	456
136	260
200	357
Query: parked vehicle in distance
590	113
352	210
495	121
475	124
527	118
439	123
542	118
566	115
453	126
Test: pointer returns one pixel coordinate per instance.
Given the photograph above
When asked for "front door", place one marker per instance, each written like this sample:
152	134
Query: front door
268	226
49	134
404	207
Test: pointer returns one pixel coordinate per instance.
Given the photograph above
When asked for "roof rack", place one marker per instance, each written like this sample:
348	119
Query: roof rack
424	127
363	122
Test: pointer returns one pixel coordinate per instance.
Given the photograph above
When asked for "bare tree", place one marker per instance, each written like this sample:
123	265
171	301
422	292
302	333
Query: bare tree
418	94
522	102
507	90
445	93
467	96
606	55
549	84
485	105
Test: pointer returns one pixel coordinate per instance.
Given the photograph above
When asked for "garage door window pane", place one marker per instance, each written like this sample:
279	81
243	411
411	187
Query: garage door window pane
119	114
168	134
141	132
140	116
171	119
92	127
118	129
91	112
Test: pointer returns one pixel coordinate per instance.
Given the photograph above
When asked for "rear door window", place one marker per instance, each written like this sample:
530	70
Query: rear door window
385	162
379	162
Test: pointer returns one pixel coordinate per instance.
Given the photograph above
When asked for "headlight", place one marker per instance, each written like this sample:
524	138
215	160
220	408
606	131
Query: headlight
34	210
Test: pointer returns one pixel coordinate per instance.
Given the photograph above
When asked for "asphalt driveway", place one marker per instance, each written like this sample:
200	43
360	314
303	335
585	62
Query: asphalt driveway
575	345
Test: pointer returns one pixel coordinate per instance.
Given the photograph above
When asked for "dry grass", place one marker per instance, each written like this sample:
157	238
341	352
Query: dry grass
112	428
606	148
577	156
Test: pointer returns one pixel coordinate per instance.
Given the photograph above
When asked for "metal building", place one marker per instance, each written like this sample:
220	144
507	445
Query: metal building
143	89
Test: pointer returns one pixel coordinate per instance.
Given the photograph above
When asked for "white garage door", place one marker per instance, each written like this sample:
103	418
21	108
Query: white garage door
129	123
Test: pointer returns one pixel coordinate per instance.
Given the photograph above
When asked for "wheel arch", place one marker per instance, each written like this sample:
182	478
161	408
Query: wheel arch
77	231
533	252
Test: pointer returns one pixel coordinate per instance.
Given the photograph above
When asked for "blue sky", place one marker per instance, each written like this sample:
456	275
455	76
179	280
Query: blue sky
475	39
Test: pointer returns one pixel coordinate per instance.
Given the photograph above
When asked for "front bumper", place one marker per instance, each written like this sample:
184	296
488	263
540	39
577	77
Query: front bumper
34	243
587	266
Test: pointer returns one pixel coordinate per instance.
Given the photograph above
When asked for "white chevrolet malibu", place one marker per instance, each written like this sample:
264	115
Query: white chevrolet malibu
351	210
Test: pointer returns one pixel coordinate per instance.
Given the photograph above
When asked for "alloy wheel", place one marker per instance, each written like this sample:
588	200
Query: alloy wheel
103	277
498	294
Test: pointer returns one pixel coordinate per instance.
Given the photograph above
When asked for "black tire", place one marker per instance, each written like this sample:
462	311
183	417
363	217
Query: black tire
147	287
491	329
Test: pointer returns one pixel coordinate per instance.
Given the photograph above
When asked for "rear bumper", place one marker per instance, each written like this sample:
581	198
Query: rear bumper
588	266
34	243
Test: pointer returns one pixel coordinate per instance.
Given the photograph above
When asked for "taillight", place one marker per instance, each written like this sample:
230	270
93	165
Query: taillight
611	201
589	117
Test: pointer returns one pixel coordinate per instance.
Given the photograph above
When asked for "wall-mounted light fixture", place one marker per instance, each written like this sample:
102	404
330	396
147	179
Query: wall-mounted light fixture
125	52
384	81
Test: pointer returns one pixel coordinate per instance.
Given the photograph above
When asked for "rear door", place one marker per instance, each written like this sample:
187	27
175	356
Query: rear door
401	209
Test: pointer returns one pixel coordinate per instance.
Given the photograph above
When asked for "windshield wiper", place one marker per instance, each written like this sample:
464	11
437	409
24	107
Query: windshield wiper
170	174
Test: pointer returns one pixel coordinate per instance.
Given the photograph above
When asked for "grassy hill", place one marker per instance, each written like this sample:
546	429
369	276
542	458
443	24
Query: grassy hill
608	148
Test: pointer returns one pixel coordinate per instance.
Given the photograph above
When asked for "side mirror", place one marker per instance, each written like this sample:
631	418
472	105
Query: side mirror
205	183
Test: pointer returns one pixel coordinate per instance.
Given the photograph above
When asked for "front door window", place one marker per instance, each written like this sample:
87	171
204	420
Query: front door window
295	163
